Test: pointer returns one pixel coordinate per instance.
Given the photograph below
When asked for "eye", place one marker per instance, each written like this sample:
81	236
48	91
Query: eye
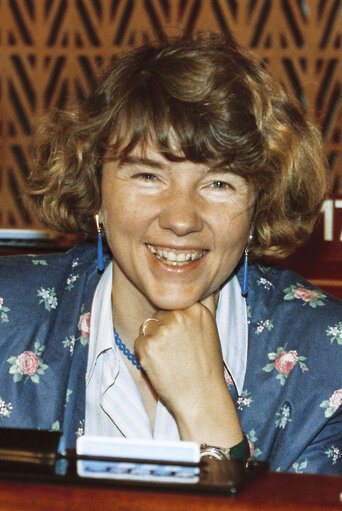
220	185
145	176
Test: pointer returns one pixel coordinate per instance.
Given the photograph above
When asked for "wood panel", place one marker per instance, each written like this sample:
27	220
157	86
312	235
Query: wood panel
52	50
274	491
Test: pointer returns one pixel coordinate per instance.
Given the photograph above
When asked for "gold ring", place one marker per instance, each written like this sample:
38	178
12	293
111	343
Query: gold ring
145	323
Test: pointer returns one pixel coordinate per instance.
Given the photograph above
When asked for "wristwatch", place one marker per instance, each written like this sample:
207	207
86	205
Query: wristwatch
237	452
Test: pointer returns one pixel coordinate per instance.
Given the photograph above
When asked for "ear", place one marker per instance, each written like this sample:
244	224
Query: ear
98	222
99	215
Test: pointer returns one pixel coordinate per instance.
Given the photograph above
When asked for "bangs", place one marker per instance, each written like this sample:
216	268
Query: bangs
211	123
175	128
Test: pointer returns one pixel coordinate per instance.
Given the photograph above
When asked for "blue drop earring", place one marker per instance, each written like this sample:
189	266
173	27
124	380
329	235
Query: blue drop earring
244	286
100	263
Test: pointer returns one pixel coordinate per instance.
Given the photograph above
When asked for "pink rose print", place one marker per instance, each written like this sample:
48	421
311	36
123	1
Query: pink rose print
84	327
307	295
313	297
286	361
227	377
335	400
84	324
332	404
3	311
252	439
251	447
27	363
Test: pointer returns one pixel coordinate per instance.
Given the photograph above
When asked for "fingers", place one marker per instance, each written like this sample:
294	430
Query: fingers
150	324
143	328
179	352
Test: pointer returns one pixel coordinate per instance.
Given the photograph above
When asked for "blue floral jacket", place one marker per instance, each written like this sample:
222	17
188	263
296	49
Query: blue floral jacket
290	406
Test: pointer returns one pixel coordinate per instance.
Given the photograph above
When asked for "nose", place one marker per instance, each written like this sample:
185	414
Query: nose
180	214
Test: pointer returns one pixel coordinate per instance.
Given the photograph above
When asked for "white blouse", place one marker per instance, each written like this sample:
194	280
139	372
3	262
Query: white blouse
114	406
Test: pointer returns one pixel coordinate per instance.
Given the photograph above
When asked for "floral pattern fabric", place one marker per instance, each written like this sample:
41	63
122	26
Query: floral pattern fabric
45	305
290	407
293	378
29	364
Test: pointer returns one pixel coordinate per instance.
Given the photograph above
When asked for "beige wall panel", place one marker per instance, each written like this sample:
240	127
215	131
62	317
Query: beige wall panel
51	51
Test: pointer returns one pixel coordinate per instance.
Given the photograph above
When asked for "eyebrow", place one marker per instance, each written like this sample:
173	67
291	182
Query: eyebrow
156	164
146	162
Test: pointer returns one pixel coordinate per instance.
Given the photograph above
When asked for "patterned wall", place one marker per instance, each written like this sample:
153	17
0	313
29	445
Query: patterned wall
51	50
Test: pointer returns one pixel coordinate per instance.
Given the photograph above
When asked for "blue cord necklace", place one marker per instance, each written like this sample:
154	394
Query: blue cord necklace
126	351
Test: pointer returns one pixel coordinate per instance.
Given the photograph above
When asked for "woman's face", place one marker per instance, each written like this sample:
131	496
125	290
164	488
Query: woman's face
176	229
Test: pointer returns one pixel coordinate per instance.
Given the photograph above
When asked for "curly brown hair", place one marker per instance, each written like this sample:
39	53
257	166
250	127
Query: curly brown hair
221	106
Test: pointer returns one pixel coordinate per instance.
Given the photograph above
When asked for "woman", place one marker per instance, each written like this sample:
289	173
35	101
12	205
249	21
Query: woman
189	159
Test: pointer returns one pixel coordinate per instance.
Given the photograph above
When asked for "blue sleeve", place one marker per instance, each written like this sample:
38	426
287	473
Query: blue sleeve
324	454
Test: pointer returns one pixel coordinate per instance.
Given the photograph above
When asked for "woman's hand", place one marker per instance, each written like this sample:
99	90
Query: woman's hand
181	356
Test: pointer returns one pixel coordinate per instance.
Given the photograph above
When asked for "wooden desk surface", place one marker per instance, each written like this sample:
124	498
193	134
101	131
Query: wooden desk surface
272	491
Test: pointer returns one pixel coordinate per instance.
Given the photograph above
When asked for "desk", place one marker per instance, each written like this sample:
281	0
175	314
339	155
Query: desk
272	491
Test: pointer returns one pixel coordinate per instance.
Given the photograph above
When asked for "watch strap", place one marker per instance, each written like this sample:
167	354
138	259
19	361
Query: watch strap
239	451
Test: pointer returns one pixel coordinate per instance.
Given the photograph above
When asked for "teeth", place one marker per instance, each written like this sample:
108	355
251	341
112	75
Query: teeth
171	256
174	259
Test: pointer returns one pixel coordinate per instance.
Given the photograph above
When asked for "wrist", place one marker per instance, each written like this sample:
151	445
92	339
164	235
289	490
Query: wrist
239	451
211	421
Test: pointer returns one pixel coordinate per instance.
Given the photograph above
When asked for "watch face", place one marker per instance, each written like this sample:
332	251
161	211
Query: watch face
240	451
215	452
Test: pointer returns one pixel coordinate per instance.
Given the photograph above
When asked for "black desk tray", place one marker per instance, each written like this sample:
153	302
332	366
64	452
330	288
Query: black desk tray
32	456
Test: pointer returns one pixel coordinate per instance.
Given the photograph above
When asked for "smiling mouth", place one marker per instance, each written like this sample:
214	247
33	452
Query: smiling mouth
176	258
